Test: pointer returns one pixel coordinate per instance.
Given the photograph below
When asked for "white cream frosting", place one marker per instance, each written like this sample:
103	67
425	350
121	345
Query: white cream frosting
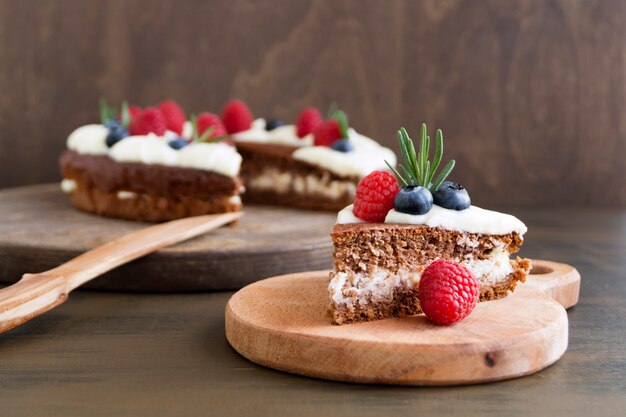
471	220
154	150
282	135
367	155
218	157
89	140
145	150
68	186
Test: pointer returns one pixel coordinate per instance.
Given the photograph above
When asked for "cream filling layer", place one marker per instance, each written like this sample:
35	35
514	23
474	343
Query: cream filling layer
286	182
348	288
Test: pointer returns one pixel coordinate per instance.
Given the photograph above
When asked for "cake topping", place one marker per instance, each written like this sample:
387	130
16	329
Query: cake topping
375	196
178	143
271	124
309	120
342	145
207	127
327	133
452	195
418	173
236	116
151	140
116	122
413	199
448	292
174	116
334	130
150	120
117	132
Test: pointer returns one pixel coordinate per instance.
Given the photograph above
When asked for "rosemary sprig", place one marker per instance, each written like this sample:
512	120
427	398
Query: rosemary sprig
417	168
195	137
111	113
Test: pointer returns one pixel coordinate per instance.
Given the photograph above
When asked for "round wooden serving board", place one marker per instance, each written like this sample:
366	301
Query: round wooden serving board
282	323
39	230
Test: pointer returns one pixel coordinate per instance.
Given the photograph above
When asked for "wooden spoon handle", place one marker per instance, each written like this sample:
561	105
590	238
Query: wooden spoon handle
35	294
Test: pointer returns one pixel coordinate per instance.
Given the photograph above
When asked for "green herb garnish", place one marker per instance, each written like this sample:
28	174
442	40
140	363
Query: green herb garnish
417	168
111	113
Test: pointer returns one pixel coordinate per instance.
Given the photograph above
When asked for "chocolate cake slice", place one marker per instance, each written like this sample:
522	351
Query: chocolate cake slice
273	176
315	164
152	165
377	267
141	192
398	226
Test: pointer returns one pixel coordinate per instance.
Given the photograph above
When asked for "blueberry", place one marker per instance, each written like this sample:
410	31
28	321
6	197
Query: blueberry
342	145
112	124
178	143
413	200
452	195
116	133
272	124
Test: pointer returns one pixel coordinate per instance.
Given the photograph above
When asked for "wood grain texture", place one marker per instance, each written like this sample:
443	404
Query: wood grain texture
530	94
39	230
282	323
38	293
559	281
119	354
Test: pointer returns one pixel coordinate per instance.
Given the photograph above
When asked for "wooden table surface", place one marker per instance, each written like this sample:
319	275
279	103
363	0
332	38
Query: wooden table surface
106	354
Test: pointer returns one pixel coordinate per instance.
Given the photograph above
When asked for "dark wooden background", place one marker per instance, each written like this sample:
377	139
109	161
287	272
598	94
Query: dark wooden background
531	95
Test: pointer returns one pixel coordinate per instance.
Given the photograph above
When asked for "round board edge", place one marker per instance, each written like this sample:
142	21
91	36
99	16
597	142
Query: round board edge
298	350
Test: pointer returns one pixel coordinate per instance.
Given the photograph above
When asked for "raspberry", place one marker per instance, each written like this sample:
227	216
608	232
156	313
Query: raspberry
236	116
174	116
148	121
448	292
374	196
327	133
309	120
207	120
134	111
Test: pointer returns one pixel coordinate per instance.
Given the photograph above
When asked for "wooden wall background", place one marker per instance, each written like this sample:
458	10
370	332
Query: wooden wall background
531	95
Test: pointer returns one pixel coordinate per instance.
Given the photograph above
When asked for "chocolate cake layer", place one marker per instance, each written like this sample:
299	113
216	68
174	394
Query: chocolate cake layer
146	207
272	176
363	247
163	181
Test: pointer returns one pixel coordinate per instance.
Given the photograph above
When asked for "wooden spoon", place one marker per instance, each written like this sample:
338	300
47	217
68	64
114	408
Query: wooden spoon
35	294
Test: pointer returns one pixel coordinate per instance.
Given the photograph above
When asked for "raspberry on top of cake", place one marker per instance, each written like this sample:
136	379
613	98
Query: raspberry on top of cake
152	164
315	163
402	222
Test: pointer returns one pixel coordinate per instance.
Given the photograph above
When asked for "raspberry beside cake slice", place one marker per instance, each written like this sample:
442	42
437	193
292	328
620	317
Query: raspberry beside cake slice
395	230
152	165
314	164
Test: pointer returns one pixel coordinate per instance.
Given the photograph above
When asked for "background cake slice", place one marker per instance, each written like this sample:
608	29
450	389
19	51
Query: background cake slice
152	165
315	164
396	228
